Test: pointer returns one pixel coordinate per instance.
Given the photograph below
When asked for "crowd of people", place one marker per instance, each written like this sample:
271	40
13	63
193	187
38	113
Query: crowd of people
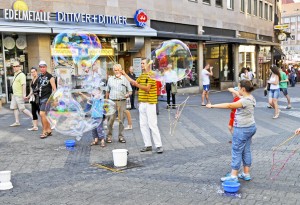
121	86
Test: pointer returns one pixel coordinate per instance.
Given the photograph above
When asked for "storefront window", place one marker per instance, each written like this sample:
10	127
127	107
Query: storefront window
15	49
218	57
247	58
192	77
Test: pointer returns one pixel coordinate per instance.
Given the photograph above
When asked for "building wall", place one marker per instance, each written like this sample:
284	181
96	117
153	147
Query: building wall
179	11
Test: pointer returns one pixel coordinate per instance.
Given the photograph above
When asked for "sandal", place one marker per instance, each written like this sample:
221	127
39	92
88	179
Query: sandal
94	143
122	140
102	143
45	135
108	140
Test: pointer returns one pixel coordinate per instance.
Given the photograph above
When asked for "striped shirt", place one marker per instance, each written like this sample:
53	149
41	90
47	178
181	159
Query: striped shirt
151	96
118	87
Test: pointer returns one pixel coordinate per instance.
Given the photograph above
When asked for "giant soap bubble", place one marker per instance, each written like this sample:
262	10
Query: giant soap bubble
80	48
171	61
78	105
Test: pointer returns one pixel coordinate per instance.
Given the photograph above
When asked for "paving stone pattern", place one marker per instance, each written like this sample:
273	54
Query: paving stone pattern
188	172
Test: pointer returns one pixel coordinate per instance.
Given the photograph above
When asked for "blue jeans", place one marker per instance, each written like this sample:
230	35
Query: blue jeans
274	93
241	142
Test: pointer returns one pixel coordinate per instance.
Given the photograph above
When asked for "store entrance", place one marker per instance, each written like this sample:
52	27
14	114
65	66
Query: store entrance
15	49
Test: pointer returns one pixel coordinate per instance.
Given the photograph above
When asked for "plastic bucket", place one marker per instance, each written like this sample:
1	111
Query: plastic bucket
120	157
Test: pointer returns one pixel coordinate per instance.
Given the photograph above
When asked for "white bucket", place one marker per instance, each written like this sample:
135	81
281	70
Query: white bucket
5	183
120	157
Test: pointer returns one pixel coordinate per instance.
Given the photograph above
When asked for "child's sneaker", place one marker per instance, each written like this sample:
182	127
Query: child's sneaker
244	176
229	178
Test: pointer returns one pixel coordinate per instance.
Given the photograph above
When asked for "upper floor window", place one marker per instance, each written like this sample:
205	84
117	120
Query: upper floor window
206	1
219	3
286	20
298	18
242	5
249	7
271	13
230	4
293	19
255	8
266	11
260	9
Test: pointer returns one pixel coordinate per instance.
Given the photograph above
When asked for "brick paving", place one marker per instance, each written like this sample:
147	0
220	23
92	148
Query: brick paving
188	172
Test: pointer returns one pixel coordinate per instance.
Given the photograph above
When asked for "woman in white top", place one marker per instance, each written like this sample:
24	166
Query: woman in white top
244	74
274	89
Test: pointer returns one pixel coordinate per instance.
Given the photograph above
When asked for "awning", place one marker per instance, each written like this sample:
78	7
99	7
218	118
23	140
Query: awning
183	36
278	52
54	28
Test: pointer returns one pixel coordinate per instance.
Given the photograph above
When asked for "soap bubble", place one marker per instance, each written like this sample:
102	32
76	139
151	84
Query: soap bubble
172	61
79	48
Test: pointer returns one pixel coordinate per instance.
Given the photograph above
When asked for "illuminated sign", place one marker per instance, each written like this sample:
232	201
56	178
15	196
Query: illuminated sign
140	18
281	27
75	52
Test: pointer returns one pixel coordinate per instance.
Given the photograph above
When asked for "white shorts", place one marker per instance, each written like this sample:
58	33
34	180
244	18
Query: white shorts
17	103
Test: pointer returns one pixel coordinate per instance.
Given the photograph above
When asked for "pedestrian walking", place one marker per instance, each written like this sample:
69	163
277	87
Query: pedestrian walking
147	98
297	131
283	85
170	79
244	74
19	94
206	73
244	129
274	92
118	89
33	97
46	84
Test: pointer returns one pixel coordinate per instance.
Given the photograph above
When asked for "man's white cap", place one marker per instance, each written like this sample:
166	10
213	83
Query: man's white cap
16	63
42	63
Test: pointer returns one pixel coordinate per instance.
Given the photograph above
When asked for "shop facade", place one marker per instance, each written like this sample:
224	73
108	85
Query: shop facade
27	36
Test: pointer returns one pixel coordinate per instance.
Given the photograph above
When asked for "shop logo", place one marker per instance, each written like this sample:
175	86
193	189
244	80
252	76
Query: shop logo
140	18
20	12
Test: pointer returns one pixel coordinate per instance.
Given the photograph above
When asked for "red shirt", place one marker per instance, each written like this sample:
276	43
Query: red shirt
158	85
232	113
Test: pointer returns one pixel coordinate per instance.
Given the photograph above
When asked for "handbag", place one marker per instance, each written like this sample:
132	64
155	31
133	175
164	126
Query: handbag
10	88
265	92
32	99
174	88
268	87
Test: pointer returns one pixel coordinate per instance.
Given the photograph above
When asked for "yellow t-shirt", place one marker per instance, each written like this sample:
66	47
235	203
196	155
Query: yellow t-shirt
151	96
17	84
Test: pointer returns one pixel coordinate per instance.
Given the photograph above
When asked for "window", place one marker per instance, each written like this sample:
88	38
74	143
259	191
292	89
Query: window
298	37
249	6
293	19
271	13
195	1
230	4
255	8
260	9
219	3
286	20
266	11
206	1
298	18
242	5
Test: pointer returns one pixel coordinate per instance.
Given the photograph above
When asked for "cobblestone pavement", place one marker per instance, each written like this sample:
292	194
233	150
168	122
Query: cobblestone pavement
188	172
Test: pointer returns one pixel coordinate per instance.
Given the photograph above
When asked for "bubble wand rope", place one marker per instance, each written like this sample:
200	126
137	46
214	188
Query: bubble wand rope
289	157
178	113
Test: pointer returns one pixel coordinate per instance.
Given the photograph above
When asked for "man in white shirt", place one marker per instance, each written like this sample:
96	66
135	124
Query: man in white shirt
206	72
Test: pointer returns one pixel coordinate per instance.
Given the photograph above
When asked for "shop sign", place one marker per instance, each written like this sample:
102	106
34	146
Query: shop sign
140	18
75	52
282	27
193	45
18	15
90	18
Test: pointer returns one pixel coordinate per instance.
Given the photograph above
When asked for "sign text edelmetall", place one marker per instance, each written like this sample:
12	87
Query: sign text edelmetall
18	15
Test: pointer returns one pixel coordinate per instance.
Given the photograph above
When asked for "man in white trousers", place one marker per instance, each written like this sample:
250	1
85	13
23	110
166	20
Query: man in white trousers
147	98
